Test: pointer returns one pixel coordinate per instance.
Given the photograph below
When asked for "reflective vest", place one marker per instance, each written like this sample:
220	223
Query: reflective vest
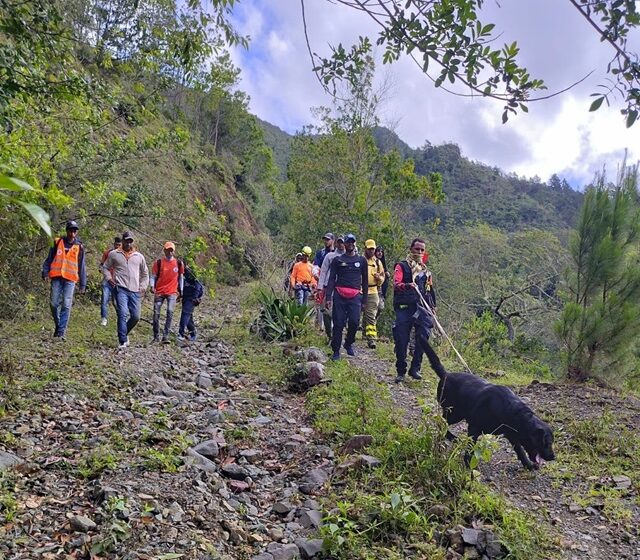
65	262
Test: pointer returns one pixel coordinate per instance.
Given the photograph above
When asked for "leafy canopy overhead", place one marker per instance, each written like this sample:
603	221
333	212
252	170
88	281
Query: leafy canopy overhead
451	44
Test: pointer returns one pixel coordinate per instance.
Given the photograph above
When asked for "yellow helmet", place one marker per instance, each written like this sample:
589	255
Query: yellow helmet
307	250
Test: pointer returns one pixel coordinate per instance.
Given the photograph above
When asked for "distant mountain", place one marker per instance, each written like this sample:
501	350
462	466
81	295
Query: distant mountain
475	192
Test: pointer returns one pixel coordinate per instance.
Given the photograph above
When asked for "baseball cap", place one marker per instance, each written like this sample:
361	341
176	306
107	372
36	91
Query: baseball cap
340	238
169	245
127	235
328	236
349	238
369	244
71	224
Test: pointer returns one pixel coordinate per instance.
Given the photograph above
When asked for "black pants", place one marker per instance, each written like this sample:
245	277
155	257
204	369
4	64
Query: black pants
408	317
346	312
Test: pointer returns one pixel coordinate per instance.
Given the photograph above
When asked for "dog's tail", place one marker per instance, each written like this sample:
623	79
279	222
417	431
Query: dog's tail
435	362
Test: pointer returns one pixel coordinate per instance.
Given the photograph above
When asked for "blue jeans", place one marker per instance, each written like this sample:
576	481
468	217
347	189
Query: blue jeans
107	297
186	319
302	294
408	317
61	302
345	312
157	308
127	306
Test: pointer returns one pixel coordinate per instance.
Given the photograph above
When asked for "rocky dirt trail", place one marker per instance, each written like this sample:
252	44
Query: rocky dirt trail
583	530
167	452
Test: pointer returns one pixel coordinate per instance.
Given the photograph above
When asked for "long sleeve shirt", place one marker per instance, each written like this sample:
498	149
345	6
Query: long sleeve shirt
348	271
128	271
82	269
323	279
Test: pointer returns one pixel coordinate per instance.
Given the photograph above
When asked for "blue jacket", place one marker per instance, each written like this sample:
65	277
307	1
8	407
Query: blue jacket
192	289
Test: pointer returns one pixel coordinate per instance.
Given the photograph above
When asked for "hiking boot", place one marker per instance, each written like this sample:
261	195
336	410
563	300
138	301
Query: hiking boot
415	375
193	337
104	322
399	379
156	339
371	344
335	356
165	340
180	337
350	350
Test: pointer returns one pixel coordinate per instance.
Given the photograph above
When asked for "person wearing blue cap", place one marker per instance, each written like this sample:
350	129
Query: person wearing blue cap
64	267
347	295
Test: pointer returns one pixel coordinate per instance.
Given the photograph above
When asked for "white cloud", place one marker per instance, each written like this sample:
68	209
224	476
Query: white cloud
558	135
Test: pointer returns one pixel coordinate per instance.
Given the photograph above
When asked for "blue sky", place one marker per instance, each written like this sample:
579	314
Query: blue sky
557	136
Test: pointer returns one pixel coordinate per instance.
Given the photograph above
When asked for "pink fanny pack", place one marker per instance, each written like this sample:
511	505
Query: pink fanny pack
347	293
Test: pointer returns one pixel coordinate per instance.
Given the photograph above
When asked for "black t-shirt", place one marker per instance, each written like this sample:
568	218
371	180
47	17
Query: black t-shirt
349	272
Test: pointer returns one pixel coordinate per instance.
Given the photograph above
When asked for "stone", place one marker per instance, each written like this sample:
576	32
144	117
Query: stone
438	510
200	462
214	416
9	460
470	536
311	519
622	482
234	471
176	512
260	420
82	524
204	381
208	449
315	373
283	551
263	556
309	547
276	534
358	462
252	456
238	486
313	480
282	508
575	508
356	443
314	354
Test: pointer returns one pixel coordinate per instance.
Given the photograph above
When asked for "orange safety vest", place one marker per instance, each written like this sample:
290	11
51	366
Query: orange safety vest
65	262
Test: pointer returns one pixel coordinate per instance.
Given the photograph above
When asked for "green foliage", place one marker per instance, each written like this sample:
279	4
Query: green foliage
96	462
280	318
601	321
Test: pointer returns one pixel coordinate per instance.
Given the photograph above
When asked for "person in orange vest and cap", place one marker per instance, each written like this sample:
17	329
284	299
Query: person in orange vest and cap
167	281
64	267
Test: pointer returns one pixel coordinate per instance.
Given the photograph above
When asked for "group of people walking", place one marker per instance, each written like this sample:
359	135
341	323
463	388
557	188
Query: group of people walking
348	285
126	279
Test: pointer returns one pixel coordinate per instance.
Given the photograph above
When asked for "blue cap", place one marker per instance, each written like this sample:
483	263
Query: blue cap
349	238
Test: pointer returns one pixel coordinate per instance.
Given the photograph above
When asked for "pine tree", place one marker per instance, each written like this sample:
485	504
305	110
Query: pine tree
600	325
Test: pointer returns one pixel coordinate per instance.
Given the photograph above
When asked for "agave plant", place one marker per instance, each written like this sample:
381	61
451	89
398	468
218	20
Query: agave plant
280	318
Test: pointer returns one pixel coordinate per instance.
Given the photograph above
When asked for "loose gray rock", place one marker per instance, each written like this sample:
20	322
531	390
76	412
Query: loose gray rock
214	416
260	420
208	449
194	458
283	551
622	482
315	373
313	480
263	556
311	519
204	381
234	471
252	456
309	547
470	536
359	462
282	508
176	512
9	460
314	354
82	524
356	443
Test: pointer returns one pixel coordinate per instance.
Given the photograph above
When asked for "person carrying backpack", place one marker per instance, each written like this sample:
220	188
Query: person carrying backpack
302	281
192	293
166	284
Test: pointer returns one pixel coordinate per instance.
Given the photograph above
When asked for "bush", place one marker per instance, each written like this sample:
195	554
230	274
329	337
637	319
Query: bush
280	318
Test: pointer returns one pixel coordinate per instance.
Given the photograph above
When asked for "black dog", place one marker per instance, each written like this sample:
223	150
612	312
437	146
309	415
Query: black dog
492	409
